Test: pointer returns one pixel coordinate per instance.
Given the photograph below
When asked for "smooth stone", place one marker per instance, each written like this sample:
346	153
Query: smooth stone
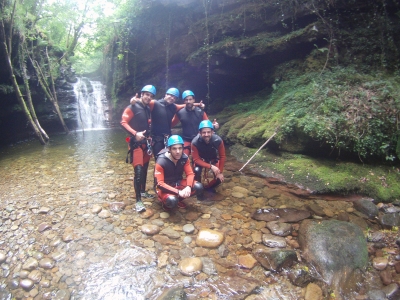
240	189
23	274
150	229
30	264
96	208
247	261
380	263
313	292
26	284
58	256
164	215
237	195
116	206
279	228
187	239
62	295
162	260
188	228
43	226
291	215
169	232
158	222
104	214
46	263
68	236
273	241
190	266
44	210
35	276
3	257
209	238
148	213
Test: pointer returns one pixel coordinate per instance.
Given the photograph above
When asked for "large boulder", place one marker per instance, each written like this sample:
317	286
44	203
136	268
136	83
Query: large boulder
337	250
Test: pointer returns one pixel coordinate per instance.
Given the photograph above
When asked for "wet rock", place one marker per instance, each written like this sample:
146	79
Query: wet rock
376	237
26	284
59	217
188	228
30	264
62	295
335	248
46	263
162	260
274	260
209	238
237	195
316	209
150	229
68	236
116	207
392	219
241	190
96	208
247	261
187	239
164	215
290	215
148	213
300	276
386	276
35	276
3	257
192	216
190	266
176	293
367	207
380	263
163	240
58	255
392	291
313	292
223	251
43	226
13	284
242	287
343	216
23	274
104	214
208	266
279	228
376	295
169	232
158	222
44	210
273	241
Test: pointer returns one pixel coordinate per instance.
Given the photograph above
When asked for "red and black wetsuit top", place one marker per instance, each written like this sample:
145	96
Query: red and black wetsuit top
169	175
161	116
190	120
205	154
136	118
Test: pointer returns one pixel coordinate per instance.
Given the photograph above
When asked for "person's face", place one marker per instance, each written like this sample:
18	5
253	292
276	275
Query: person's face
170	98
176	151
147	97
189	101
205	134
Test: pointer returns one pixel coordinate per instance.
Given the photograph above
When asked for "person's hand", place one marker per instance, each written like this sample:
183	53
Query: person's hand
185	193
215	124
140	135
220	176
215	170
201	104
135	99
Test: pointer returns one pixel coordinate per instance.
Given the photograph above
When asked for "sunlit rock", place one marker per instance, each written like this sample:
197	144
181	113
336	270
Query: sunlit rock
169	232
96	208
46	263
116	207
35	276
164	215
3	257
235	287
209	238
30	264
104	214
148	213
300	276
313	292
279	228
247	261
290	215
273	241
150	229
26	284
380	263
43	226
274	260
44	210
62	294
190	266
188	228
162	260
338	250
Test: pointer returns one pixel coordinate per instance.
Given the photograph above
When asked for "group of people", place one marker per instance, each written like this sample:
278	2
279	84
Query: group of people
148	123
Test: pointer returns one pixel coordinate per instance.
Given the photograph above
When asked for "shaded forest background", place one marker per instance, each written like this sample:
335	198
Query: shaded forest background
323	74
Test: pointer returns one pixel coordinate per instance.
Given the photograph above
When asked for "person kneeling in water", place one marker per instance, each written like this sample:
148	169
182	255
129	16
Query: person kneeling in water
171	163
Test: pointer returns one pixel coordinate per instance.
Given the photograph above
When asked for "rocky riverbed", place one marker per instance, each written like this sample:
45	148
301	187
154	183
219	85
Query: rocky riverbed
69	231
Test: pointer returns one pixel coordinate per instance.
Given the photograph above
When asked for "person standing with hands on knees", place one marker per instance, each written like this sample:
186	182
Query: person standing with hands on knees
171	163
208	151
136	121
190	118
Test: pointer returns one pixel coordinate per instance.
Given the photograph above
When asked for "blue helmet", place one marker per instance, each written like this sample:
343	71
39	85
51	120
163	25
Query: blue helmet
205	124
174	140
187	93
173	92
149	88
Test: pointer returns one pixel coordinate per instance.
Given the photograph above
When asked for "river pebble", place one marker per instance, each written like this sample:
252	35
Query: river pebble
209	238
190	266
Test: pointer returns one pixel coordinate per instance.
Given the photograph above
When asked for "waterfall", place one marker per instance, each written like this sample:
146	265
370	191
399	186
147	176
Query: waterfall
91	104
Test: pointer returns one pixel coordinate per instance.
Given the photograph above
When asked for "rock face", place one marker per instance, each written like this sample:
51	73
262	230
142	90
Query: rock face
336	249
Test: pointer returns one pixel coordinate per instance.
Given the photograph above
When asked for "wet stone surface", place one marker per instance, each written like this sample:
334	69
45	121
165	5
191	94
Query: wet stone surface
69	230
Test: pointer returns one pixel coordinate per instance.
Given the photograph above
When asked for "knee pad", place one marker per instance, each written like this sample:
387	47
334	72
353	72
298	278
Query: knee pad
198	187
171	201
197	173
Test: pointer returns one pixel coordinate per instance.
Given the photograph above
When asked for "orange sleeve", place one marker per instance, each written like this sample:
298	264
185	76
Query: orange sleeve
205	117
189	173
197	159
159	175
126	117
222	157
179	106
151	104
175	121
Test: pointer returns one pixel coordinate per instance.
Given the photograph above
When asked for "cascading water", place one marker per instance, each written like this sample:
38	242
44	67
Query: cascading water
91	104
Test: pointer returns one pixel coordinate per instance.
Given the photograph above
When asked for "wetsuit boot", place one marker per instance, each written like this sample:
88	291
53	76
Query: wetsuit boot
213	184
197	173
143	182
136	183
199	190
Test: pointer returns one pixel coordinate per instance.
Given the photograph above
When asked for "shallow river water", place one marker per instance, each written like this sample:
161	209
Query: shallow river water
69	231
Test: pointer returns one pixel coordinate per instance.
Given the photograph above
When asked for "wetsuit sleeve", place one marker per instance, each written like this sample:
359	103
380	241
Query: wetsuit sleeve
175	121
222	156
179	106
189	173
205	117
151	105
197	159
159	175
126	117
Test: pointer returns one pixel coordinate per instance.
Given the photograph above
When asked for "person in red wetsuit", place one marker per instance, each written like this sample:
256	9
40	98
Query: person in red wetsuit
190	118
171	163
136	121
208	151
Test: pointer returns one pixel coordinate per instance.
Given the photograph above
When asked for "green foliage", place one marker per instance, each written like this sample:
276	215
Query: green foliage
6	89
